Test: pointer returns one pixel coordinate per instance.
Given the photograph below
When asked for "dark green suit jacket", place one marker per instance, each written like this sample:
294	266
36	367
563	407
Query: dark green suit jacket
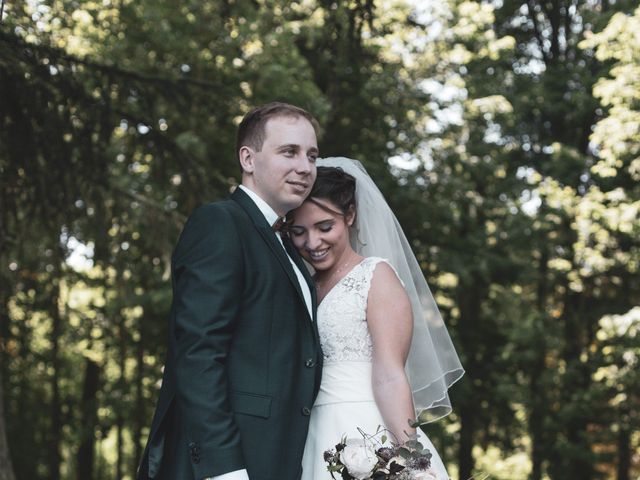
244	362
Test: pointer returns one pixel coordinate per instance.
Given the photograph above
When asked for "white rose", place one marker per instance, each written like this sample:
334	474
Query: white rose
359	458
424	475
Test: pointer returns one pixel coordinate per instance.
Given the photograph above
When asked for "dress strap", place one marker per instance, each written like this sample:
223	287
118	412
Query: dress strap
368	266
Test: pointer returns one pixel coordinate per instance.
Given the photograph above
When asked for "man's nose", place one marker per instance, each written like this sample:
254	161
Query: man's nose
304	165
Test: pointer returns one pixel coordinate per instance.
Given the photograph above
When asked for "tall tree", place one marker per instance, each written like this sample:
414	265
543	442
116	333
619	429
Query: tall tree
88	419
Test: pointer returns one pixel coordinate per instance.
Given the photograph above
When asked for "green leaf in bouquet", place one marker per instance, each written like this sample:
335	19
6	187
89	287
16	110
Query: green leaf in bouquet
383	440
415	445
404	453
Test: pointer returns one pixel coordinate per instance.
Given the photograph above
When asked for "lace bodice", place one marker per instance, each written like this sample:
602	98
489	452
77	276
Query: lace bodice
342	316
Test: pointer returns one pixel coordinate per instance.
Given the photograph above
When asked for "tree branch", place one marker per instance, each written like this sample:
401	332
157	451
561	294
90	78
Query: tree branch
110	69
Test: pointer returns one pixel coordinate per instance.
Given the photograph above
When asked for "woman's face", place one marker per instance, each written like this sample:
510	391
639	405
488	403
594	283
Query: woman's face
321	235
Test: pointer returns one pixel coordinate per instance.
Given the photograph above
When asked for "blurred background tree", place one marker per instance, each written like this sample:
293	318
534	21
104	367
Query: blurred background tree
506	136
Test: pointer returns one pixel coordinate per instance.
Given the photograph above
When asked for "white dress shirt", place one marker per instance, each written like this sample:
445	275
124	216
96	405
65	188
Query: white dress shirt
271	218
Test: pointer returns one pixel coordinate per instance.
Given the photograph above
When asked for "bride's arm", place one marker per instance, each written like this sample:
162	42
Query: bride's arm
391	325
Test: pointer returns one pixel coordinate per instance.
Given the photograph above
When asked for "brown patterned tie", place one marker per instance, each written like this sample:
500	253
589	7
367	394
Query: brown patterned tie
280	225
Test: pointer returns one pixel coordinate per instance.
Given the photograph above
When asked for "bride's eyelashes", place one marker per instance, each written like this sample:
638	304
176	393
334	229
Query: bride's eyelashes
296	231
324	227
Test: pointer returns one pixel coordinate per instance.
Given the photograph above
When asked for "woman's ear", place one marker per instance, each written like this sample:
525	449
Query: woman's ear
247	159
350	217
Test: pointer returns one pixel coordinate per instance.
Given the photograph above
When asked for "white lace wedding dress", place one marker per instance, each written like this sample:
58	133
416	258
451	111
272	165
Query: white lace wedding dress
345	402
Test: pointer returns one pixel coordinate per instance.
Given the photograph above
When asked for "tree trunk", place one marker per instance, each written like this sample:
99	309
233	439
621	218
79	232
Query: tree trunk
55	435
139	419
121	387
624	453
577	379
536	422
467	430
89	418
538	400
6	468
469	302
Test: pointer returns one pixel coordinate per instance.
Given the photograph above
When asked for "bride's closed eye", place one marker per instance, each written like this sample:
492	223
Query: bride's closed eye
297	230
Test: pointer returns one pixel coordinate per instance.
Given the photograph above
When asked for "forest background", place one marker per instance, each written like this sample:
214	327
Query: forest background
505	134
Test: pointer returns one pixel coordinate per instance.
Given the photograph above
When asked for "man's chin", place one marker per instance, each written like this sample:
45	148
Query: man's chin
295	201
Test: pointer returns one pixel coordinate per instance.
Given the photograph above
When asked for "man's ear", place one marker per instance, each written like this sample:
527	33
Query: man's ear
350	217
247	159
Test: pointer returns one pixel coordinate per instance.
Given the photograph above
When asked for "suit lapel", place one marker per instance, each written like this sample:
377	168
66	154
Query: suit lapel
295	256
269	237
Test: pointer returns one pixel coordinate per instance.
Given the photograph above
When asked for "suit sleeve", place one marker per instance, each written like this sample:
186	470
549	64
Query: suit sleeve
207	283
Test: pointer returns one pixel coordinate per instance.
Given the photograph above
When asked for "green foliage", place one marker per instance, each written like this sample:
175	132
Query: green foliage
505	135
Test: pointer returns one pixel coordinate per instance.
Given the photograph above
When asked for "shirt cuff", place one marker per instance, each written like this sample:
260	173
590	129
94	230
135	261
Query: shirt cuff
235	475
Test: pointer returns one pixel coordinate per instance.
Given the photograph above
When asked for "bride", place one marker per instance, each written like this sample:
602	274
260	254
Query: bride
388	358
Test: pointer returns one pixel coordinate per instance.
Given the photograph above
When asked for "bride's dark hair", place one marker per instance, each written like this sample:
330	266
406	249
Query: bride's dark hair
335	185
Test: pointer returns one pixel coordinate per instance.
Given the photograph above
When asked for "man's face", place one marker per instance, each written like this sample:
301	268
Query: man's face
283	172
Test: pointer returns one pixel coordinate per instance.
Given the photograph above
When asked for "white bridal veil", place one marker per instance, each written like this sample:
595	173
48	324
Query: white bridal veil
433	364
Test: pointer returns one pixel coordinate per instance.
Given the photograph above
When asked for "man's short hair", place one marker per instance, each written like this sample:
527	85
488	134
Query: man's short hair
251	131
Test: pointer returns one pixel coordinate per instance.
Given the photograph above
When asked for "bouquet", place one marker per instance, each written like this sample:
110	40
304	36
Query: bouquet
368	458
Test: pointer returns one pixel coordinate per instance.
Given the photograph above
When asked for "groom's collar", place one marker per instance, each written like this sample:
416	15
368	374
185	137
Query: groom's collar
269	214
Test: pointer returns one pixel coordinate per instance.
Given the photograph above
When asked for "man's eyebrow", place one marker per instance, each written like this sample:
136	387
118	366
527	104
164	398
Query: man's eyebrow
288	146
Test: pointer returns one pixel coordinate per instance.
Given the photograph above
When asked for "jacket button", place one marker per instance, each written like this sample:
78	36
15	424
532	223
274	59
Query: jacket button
309	363
306	411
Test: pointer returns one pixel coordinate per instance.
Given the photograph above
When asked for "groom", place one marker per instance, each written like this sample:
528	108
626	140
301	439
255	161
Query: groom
243	364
